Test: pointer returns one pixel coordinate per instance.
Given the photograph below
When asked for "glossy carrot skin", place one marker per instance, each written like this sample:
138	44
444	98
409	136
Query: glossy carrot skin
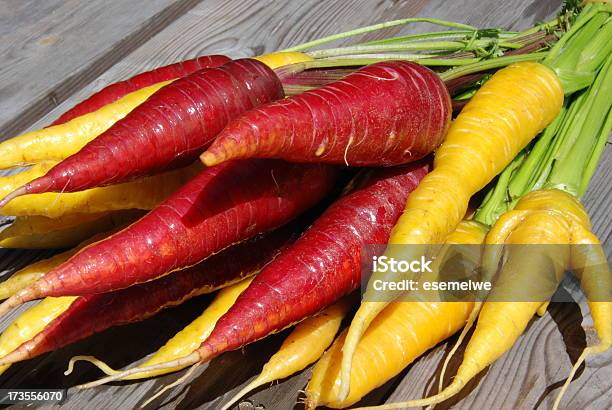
92	314
169	129
113	92
219	207
385	114
323	265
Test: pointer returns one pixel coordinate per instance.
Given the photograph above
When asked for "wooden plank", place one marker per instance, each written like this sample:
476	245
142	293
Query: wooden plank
251	27
50	49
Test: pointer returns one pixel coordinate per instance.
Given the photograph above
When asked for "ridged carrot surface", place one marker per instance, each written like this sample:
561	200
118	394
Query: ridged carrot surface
169	129
322	266
387	113
202	218
91	314
60	141
114	91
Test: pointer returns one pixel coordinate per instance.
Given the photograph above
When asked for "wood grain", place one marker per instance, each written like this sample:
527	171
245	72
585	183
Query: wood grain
50	49
524	378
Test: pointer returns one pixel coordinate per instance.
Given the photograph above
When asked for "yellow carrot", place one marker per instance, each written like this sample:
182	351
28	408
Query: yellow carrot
303	346
40	232
281	58
185	341
143	193
30	323
399	335
506	113
548	217
60	141
32	273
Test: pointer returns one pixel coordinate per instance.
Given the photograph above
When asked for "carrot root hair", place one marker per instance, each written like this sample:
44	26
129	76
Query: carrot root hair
454	388
22	190
589	351
246	389
177	382
188	360
470	322
364	316
93	360
15	356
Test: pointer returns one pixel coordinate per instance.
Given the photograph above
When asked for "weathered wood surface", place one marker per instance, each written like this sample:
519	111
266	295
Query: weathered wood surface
527	377
51	48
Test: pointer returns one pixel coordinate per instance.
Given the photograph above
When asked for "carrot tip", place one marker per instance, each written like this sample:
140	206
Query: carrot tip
209	159
18	192
25	295
14	357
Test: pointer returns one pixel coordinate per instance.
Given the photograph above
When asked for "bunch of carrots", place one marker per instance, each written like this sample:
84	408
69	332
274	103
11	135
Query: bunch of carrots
268	179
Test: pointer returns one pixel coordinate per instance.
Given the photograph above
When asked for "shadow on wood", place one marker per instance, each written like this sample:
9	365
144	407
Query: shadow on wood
568	318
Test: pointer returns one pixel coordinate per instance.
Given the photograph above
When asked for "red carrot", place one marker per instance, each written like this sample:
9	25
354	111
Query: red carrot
319	268
92	314
170	128
385	114
219	207
113	92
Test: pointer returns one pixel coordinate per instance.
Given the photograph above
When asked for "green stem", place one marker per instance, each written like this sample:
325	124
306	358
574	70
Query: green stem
591	166
461	34
416	46
547	26
419	36
581	145
490	64
366	59
525	178
376	27
579	53
495	202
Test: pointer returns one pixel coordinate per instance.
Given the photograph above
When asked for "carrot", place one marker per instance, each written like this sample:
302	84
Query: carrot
380	357
145	193
281	58
318	269
60	141
548	217
185	341
200	219
30	323
398	336
31	273
115	91
306	343
388	113
500	119
170	128
91	314
40	232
